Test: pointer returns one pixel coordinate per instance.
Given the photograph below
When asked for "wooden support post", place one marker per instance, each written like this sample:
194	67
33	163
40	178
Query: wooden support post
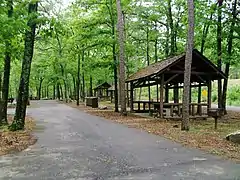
161	96
209	100
166	93
157	93
149	98
144	106
190	100
176	93
199	108
131	97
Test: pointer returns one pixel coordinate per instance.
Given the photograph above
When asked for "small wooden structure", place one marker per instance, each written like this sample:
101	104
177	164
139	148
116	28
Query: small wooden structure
101	90
111	91
169	74
92	102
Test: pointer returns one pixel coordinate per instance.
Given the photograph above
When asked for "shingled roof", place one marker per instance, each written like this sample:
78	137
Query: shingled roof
103	85
154	68
164	65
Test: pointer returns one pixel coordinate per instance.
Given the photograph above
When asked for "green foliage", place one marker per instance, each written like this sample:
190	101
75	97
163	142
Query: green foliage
89	26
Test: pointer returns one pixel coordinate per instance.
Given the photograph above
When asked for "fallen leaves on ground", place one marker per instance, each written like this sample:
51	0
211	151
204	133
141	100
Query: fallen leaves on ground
11	142
202	134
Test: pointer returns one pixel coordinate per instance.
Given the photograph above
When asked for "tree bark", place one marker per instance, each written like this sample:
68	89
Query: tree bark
23	92
83	78
7	67
229	51
74	87
90	88
54	90
148	63
78	79
121	57
58	91
40	88
219	51
170	22
188	64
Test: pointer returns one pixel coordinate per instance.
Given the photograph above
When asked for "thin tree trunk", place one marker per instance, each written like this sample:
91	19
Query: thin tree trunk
91	89
54	90
7	67
115	69
0	88
83	78
61	91
40	88
121	57
229	51
170	22
58	91
65	90
148	63
78	80
22	100
47	92
74	88
204	36
156	54
188	64
219	51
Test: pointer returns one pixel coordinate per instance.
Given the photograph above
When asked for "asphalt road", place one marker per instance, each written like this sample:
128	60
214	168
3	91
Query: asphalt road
73	145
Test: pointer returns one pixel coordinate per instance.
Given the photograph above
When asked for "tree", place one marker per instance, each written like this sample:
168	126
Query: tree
23	92
188	64
229	55
121	57
219	50
7	66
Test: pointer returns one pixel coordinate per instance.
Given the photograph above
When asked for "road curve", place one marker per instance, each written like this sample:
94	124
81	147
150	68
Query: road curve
73	145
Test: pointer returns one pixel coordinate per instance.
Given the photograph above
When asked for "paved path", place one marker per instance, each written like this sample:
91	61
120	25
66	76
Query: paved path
73	145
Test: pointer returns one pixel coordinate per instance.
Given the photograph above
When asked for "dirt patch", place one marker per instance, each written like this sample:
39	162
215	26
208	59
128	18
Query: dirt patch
11	142
202	134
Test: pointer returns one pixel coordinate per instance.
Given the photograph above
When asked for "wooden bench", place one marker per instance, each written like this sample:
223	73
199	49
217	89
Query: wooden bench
215	113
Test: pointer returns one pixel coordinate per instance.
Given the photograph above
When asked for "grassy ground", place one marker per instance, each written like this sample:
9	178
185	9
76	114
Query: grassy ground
11	142
202	134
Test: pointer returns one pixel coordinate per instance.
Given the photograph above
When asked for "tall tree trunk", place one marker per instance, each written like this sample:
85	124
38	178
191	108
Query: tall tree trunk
115	63
156	55
219	50
23	92
47	88
170	23
121	57
74	87
115	77
54	91
65	90
61	91
229	51
58	91
0	88
204	36
148	63
90	88
83	77
78	80
7	67
40	88
188	64
172	42
167	42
